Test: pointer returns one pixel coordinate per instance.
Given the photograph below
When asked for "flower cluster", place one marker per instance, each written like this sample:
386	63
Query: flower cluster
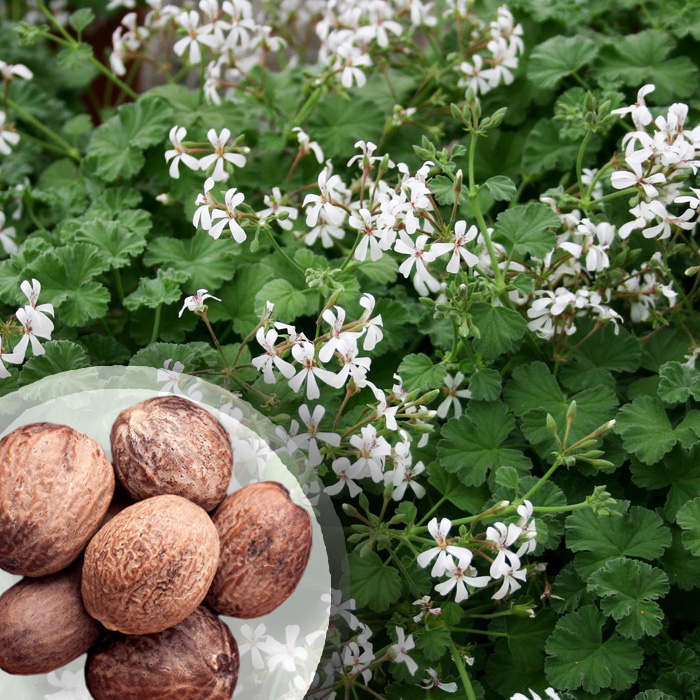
32	323
455	562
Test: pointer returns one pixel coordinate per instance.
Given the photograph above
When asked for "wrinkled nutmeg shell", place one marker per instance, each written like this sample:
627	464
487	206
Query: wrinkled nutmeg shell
150	566
169	444
55	487
265	546
195	660
43	624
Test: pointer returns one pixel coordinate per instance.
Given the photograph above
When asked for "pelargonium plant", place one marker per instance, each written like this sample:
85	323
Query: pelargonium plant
450	249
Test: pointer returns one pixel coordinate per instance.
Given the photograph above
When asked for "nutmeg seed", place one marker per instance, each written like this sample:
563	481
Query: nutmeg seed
194	660
169	444
265	547
43	624
55	487
150	566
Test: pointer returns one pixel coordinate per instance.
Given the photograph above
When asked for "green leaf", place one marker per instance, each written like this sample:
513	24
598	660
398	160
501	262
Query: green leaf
164	289
579	657
104	350
678	383
117	243
74	63
433	642
500	327
637	533
642	58
116	148
337	123
501	188
533	392
666	345
419	372
472	444
469	499
545	149
645	429
688	430
485	385
688	518
290	302
678	471
507	477
628	588
209	262
525	229
383	271
558	57
683	571
81	19
373	583
14	270
443	188
66	275
60	356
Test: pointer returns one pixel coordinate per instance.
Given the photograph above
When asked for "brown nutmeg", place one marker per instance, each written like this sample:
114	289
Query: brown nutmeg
43	624
195	660
150	566
55	487
265	546
169	444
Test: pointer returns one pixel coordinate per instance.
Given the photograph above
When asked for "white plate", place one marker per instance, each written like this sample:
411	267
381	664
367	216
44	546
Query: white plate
89	400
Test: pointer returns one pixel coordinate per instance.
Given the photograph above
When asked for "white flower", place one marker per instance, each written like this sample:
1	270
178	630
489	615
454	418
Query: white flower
444	551
433	681
303	353
341	609
345	472
275	207
351	365
402	477
426	604
179	153
423	281
7	138
528	527
253	639
621	179
370	236
220	156
35	325
196	302
383	409
284	655
196	35
202	214
510	584
264	363
461	575
330	186
351	58
501	536
171	377
641	116
451	388
373	330
7	236
232	198
336	332
307	440
306	145
16	70
458	247
328	232
11	357
477	78
373	450
400	650
366	157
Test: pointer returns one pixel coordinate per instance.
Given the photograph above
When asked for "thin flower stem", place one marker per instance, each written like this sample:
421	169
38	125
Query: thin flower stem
69	150
579	165
614	195
473	200
291	262
43	144
119	284
468	689
432	510
156	324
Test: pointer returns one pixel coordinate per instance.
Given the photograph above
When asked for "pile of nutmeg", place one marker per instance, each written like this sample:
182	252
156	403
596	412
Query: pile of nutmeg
135	579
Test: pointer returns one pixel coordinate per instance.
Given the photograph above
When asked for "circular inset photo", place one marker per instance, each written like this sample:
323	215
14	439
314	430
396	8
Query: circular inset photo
156	539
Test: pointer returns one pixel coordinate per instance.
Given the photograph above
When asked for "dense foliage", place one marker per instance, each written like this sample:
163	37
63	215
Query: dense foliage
456	243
